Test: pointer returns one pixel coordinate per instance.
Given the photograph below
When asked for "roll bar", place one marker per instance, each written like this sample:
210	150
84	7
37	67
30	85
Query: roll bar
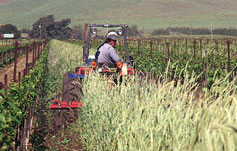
87	43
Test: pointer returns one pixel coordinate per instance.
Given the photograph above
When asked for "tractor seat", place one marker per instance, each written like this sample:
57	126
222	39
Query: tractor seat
108	65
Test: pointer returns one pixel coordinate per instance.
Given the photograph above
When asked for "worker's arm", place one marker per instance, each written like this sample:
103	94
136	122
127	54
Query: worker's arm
114	55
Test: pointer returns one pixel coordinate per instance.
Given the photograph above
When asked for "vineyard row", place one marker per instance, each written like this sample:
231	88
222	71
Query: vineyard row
18	102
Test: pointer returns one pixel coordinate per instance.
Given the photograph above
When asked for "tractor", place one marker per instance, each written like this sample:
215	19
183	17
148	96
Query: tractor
65	111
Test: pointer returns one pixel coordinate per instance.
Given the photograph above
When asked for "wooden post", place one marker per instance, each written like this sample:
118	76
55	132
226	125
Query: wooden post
85	36
228	48
39	47
33	54
138	46
201	46
45	42
5	82
1	58
175	46
16	138
24	73
216	45
27	57
151	44
36	49
19	79
15	61
158	44
168	47
186	46
194	48
203	71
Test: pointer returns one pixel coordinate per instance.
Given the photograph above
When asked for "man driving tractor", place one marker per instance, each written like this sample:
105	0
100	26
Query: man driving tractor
106	53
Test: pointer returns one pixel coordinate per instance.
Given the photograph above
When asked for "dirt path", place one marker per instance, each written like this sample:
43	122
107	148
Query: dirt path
10	68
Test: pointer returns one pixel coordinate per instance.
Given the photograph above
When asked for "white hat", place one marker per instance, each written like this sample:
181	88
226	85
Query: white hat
112	35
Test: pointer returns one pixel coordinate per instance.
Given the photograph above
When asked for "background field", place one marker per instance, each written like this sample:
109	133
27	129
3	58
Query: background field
147	14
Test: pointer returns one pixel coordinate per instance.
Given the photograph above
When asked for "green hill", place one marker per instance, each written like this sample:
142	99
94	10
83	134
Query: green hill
147	14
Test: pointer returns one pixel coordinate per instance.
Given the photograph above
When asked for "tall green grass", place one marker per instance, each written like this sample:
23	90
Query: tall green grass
63	57
144	115
149	115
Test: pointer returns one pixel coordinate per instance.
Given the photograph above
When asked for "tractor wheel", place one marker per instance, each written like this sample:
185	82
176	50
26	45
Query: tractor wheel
71	92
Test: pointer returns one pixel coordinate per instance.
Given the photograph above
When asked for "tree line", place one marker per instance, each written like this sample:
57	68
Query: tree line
48	28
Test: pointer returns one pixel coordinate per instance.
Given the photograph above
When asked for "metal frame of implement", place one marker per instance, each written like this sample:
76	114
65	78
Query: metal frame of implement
65	105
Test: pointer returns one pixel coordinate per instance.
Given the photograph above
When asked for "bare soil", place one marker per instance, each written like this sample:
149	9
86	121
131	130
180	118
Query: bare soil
9	70
65	140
